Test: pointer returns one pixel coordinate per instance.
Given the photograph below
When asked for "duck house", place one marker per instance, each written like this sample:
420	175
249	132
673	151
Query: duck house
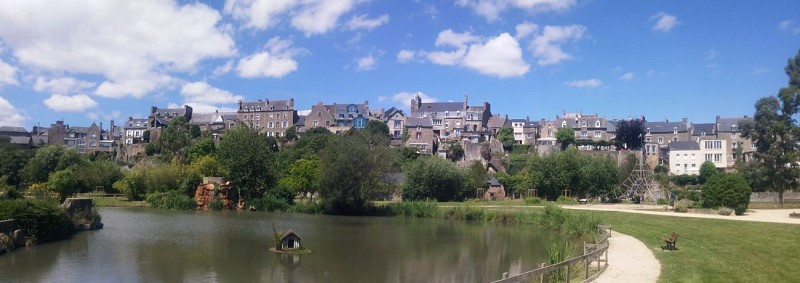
291	241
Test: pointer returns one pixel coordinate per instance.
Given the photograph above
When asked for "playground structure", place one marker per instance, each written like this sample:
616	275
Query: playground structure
213	189
640	185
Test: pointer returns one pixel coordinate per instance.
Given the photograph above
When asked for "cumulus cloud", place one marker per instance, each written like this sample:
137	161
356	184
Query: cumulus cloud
258	14
62	85
67	103
202	92
363	22
8	74
627	76
490	9
500	56
664	22
405	56
590	83
309	16
223	69
275	60
546	47
525	29
320	16
126	42
405	97
9	115
366	63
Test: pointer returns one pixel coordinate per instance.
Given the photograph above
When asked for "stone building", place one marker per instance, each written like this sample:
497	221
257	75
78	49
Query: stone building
271	117
421	134
453	120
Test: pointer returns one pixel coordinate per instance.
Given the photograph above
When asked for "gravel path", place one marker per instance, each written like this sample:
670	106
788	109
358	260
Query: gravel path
629	261
759	215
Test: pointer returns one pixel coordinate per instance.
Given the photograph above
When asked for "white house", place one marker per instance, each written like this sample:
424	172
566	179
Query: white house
686	157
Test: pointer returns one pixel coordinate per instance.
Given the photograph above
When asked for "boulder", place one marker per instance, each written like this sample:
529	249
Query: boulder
75	206
18	236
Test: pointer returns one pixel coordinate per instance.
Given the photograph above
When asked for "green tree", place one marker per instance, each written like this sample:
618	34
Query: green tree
194	131
302	177
246	156
435	178
630	133
455	152
291	133
376	127
728	190
506	136
208	165
50	159
776	133
64	182
352	174
12	161
707	169
98	174
203	147
174	139
146	136
477	176
565	136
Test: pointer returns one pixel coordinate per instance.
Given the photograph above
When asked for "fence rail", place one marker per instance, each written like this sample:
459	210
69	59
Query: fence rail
591	253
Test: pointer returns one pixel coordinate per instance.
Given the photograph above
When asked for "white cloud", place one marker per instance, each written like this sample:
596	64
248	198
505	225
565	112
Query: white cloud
500	56
525	29
66	103
405	56
320	16
62	85
366	63
590	83
8	74
362	22
546	47
223	69
102	116
664	22
789	26
126	42
404	97
627	76
275	61
9	115
202	92
258	14
490	9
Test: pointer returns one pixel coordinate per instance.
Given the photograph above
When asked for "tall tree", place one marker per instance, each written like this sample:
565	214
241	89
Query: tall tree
50	159
302	177
630	133
776	133
565	136
506	136
455	151
246	156
174	139
707	169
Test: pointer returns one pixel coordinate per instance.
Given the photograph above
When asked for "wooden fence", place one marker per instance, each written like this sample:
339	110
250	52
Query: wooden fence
591	253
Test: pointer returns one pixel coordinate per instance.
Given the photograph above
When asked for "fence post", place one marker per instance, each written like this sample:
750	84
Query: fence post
541	276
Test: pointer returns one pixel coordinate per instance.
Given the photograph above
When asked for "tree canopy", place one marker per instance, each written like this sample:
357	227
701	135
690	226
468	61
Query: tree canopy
630	133
565	136
506	136
246	156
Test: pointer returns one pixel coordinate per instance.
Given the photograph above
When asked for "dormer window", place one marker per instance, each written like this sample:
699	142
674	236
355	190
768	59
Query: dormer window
458	113
351	109
703	133
286	107
597	124
271	107
447	113
675	130
648	131
563	124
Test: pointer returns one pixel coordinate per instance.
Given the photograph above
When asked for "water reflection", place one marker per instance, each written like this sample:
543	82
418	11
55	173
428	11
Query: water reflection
179	246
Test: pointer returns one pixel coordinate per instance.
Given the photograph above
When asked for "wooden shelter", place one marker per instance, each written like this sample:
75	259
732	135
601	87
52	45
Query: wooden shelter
290	241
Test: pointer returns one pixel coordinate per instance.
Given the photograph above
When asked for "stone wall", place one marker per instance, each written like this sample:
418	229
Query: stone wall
11	236
773	196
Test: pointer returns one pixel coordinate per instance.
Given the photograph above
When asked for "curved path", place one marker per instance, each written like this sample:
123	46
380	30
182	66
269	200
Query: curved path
629	261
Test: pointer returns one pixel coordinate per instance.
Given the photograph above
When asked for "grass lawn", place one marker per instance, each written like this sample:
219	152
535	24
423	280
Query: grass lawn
712	250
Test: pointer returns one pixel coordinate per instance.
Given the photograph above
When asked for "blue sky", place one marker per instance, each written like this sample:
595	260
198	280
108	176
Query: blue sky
92	62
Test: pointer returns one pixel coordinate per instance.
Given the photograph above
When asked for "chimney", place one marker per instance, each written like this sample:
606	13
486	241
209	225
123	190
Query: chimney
291	103
465	102
153	109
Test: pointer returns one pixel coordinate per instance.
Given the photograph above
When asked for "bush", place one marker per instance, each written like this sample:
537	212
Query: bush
683	205
216	205
268	203
42	220
729	190
171	200
533	200
423	209
565	199
725	211
662	201
310	208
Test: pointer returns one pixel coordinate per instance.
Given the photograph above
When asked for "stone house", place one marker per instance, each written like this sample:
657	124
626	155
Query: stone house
83	139
270	117
215	123
728	130
338	118
395	120
452	119
525	130
495	190
658	136
421	134
160	118
588	127
134	130
17	136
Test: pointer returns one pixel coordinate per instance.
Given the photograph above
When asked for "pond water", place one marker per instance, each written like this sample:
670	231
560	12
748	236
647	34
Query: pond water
202	246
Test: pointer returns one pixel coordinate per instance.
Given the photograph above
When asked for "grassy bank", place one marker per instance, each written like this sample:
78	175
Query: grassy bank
712	250
117	202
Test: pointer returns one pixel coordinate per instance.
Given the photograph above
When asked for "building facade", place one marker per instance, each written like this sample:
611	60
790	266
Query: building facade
270	117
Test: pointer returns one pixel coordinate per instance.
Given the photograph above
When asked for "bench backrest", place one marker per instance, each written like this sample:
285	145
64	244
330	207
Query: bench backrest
674	236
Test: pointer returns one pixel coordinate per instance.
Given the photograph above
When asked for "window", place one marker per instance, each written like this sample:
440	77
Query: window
647	140
597	124
447	113
351	108
437	122
717	144
753	145
136	134
258	116
660	140
93	143
285	124
584	133
709	144
419	135
717	157
269	125
597	134
316	123
675	139
675	130
733	135
563	124
458	113
694	165
258	124
583	124
398	123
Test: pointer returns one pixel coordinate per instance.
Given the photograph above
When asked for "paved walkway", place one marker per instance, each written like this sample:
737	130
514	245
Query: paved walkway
629	261
758	215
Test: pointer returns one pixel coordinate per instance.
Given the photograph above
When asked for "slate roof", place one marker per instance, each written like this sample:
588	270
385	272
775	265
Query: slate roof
611	126
206	118
665	127
494	182
301	121
729	124
131	124
684	145
264	105
413	122
575	122
169	112
13	130
496	121
20	139
386	115
441	106
528	124
698	129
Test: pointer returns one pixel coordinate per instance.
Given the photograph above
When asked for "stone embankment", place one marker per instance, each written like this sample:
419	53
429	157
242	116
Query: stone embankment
80	210
11	236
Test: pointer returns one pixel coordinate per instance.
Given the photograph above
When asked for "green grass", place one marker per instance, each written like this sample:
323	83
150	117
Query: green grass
713	250
117	202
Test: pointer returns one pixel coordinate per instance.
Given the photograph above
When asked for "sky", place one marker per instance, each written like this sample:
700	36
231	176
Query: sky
96	61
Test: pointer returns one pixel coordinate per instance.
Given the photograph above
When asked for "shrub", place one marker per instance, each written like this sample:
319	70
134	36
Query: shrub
683	205
42	220
565	199
725	211
310	208
171	200
729	190
424	209
216	205
268	203
662	201
533	200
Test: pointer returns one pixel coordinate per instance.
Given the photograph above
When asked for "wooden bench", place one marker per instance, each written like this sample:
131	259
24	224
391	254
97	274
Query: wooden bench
583	201
670	241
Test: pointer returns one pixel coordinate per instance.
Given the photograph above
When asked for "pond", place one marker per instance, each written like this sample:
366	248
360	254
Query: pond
150	245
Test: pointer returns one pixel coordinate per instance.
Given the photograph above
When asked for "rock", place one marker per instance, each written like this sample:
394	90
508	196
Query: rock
18	236
75	206
5	243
